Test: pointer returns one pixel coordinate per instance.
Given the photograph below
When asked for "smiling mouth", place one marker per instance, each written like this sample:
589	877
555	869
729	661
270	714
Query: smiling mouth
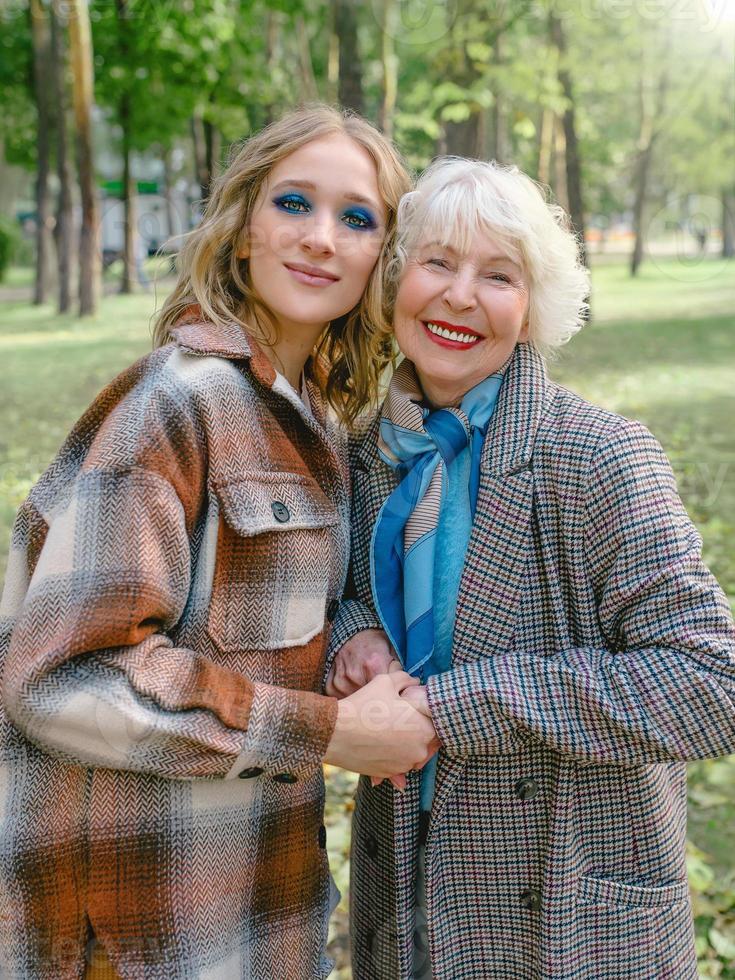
448	335
311	275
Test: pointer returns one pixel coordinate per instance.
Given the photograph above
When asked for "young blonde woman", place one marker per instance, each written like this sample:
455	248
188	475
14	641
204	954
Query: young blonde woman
171	580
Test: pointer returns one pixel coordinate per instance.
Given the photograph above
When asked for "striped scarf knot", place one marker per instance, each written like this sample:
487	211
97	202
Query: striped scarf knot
420	445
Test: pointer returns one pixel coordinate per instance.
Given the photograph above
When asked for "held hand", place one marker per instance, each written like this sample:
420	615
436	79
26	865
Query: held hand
378	732
365	655
418	697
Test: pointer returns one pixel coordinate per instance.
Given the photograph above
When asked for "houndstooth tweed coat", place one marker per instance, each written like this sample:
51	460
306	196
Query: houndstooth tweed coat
594	655
163	634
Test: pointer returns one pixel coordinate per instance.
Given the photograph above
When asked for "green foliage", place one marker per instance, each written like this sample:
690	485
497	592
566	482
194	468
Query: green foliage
8	245
710	865
18	118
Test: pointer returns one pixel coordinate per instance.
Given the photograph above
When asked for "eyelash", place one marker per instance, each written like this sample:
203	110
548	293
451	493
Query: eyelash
367	222
442	264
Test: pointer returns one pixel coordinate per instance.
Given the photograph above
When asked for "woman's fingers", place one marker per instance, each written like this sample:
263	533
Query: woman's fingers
402	680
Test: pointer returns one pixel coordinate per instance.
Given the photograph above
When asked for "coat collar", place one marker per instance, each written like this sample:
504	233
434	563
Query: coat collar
523	400
197	335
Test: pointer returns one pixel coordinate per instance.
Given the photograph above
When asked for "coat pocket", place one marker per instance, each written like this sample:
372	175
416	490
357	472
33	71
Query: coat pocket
274	560
600	891
633	932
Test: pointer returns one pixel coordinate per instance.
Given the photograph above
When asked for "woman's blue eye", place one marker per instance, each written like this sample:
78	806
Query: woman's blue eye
293	203
500	276
359	219
441	263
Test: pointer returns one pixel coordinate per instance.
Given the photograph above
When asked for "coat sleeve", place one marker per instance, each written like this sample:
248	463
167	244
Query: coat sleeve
663	686
91	674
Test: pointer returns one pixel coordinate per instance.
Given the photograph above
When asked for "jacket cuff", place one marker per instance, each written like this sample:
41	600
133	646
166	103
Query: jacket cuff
288	732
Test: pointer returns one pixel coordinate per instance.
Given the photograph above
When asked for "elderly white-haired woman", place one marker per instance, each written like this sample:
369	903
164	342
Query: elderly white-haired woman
527	555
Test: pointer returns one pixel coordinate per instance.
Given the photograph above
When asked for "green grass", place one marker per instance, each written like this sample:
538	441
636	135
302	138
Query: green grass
660	348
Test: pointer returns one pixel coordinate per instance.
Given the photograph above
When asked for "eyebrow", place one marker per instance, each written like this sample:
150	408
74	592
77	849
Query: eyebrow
309	186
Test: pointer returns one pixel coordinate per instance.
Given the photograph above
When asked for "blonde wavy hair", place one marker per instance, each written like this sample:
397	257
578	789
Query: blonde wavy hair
354	349
456	199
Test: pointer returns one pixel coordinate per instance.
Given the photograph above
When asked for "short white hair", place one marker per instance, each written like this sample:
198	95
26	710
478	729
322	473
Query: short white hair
456	199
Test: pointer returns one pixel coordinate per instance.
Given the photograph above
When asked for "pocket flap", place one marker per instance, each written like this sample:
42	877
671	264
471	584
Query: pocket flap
599	891
275	502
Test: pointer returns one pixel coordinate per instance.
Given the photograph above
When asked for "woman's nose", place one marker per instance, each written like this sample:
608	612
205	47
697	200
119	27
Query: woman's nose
320	236
460	293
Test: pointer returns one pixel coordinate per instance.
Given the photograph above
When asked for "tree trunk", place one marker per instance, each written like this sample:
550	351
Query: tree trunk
333	55
41	35
573	162
546	136
65	211
309	90
390	69
728	223
171	228
559	181
651	117
200	154
213	147
128	276
501	150
80	39
349	93
464	138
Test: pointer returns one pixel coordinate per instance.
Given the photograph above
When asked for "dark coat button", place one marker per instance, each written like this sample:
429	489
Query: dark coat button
280	511
371	846
526	788
322	837
531	899
249	773
285	777
332	610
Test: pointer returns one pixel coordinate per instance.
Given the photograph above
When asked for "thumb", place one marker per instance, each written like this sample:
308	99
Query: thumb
394	665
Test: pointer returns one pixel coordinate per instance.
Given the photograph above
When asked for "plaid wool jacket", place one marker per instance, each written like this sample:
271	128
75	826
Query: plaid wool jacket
594	655
163	636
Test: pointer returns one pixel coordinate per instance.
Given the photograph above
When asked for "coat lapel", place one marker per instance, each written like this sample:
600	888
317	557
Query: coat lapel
487	605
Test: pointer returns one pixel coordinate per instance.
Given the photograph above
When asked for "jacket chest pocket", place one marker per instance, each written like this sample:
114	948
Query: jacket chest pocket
276	551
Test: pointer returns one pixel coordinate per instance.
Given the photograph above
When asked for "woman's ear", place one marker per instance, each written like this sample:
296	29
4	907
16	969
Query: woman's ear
525	330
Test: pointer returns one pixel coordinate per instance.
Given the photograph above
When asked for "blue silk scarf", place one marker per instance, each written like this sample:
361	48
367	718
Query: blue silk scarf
420	444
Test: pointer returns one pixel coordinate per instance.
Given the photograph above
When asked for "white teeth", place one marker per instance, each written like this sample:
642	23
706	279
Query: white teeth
461	338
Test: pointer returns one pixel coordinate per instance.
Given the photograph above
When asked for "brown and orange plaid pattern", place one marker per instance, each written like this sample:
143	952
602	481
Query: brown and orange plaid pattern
163	636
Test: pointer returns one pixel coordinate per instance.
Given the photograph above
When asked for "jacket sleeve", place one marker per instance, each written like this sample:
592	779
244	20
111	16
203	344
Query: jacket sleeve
90	673
663	686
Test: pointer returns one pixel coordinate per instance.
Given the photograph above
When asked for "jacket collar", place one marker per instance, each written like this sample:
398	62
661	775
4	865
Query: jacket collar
523	400
197	335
